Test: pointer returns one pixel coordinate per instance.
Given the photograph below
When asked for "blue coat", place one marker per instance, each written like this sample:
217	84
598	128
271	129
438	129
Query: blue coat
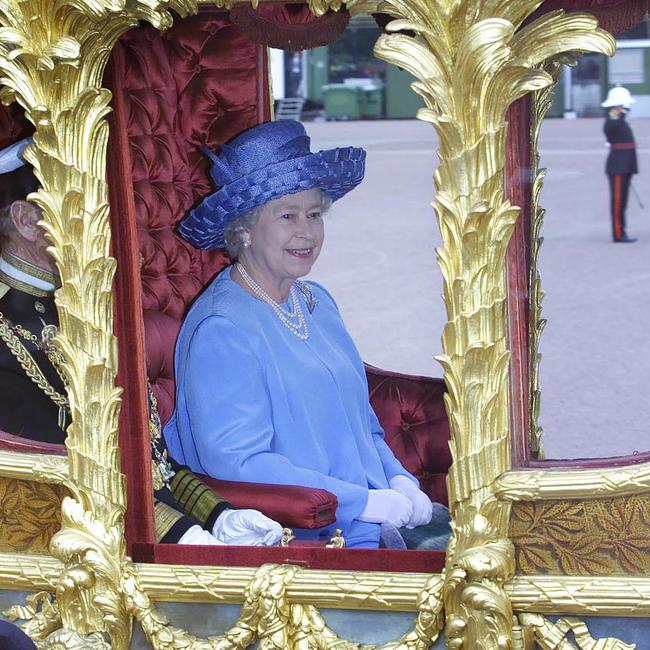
255	403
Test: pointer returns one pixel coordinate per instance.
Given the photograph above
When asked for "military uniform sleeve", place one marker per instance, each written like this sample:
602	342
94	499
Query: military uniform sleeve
171	524
195	498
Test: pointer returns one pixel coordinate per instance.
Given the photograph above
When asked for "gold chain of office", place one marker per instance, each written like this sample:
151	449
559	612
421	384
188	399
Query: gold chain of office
11	333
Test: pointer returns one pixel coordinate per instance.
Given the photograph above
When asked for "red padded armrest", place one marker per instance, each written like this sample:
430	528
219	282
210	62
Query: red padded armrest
291	505
10	442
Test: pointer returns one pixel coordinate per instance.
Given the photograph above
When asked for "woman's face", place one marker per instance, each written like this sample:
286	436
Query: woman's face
287	238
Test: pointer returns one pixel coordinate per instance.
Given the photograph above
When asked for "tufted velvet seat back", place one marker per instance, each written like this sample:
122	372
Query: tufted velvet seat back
202	82
176	92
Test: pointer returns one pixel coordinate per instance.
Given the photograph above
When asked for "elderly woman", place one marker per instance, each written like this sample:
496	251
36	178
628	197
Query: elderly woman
270	386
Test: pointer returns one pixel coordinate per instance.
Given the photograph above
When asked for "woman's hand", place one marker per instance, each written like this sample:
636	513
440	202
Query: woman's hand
246	528
387	506
422	508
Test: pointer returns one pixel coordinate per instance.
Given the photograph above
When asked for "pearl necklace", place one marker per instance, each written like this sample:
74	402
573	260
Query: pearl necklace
293	320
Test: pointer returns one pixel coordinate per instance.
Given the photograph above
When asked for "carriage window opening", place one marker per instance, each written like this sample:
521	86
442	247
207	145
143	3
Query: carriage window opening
595	365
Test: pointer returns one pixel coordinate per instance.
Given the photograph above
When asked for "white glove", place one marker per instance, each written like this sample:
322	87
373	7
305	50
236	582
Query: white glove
246	528
199	536
387	506
422	508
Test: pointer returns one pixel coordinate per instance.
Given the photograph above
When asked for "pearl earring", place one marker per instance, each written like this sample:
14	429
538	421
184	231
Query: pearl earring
246	243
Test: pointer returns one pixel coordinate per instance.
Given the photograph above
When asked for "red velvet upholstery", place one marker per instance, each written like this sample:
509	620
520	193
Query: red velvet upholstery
161	331
290	27
202	82
342	559
291	505
13	125
155	81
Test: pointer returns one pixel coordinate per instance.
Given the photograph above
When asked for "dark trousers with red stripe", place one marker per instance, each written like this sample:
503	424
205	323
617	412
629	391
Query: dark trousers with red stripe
619	187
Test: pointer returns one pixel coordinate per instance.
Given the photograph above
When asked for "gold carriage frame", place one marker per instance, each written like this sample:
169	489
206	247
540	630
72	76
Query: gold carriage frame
472	61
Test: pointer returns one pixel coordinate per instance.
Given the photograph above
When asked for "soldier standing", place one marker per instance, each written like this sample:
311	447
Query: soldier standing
621	161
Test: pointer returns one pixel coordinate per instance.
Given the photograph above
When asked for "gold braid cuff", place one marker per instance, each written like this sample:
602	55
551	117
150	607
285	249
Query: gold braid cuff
194	496
165	517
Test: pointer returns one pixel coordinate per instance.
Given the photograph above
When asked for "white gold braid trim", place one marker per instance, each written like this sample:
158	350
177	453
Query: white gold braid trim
31	269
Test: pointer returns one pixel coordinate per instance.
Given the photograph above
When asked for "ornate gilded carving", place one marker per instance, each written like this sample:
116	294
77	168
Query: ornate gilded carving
472	61
71	640
52	57
337	540
36	467
44	623
30	514
550	636
41	613
595	537
598	596
269	616
335	589
534	485
542	101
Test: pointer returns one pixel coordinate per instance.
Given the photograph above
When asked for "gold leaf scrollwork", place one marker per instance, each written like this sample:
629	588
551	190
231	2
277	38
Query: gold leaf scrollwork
542	101
40	612
72	640
268	616
471	62
88	591
320	7
475	597
52	57
553	636
163	636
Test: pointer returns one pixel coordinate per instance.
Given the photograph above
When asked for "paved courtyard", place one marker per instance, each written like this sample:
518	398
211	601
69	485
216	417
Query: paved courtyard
379	263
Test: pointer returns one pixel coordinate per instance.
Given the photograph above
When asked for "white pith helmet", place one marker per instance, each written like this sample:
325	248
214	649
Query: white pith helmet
618	96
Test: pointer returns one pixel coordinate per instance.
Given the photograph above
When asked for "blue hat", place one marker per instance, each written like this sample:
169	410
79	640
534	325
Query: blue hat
262	164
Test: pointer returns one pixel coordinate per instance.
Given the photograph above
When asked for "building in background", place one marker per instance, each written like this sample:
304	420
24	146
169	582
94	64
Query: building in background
346	81
584	87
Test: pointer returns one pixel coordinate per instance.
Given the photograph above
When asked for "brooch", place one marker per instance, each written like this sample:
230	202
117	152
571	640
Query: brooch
307	294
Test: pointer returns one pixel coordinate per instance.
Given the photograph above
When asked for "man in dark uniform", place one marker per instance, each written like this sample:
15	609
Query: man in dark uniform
30	379
621	162
33	399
